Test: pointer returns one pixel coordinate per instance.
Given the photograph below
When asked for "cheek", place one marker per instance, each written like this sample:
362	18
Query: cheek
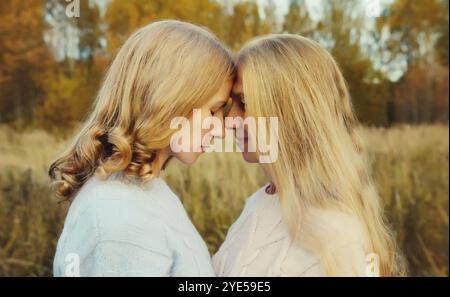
196	131
206	134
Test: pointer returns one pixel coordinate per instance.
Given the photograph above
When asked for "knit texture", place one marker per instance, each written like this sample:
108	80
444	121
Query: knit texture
258	243
118	227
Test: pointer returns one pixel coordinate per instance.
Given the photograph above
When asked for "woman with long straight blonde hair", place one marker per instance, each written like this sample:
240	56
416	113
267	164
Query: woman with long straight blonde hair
124	220
321	214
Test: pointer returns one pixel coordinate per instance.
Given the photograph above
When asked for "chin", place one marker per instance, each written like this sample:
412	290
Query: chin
250	157
188	158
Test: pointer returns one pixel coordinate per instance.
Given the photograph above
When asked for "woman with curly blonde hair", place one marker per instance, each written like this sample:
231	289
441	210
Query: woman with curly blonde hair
124	220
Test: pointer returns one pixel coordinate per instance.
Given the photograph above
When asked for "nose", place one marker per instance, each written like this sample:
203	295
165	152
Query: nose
235	111
218	130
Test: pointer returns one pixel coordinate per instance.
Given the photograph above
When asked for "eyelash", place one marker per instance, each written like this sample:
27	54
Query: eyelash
213	112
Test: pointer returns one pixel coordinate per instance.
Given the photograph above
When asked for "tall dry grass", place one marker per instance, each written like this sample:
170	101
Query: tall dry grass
410	167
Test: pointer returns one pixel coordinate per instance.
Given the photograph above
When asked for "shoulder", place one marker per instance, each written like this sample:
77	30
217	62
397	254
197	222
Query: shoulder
343	237
337	227
337	235
118	211
116	228
260	221
260	207
260	200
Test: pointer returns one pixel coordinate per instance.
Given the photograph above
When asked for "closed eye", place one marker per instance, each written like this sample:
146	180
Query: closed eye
215	111
219	108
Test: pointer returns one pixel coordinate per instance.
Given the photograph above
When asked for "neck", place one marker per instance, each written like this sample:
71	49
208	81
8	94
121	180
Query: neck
162	156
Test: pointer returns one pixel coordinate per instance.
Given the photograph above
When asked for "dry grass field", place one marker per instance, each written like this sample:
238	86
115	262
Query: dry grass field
410	167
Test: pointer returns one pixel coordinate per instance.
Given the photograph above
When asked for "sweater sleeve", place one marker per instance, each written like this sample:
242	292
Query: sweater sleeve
349	260
117	258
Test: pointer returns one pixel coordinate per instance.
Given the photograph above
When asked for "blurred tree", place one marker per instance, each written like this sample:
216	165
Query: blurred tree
79	37
24	58
421	95
417	35
414	33
244	23
342	29
298	20
59	108
442	46
69	94
442	42
124	17
239	31
76	71
412	27
271	22
88	26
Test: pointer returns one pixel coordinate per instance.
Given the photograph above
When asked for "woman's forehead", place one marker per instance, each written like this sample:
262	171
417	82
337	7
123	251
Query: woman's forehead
237	85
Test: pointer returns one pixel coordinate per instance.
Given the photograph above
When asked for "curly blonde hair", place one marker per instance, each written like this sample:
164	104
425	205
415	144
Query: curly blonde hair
163	70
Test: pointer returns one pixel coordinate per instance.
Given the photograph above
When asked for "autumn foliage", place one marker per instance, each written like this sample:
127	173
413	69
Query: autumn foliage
51	65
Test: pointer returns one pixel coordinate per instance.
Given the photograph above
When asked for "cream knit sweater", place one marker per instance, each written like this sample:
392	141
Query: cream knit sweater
258	243
119	228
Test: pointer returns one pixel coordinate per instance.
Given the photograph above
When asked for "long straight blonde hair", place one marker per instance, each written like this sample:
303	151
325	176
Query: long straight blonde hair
321	162
163	70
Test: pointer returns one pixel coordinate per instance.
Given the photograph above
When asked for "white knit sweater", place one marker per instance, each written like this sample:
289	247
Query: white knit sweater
258	243
119	228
